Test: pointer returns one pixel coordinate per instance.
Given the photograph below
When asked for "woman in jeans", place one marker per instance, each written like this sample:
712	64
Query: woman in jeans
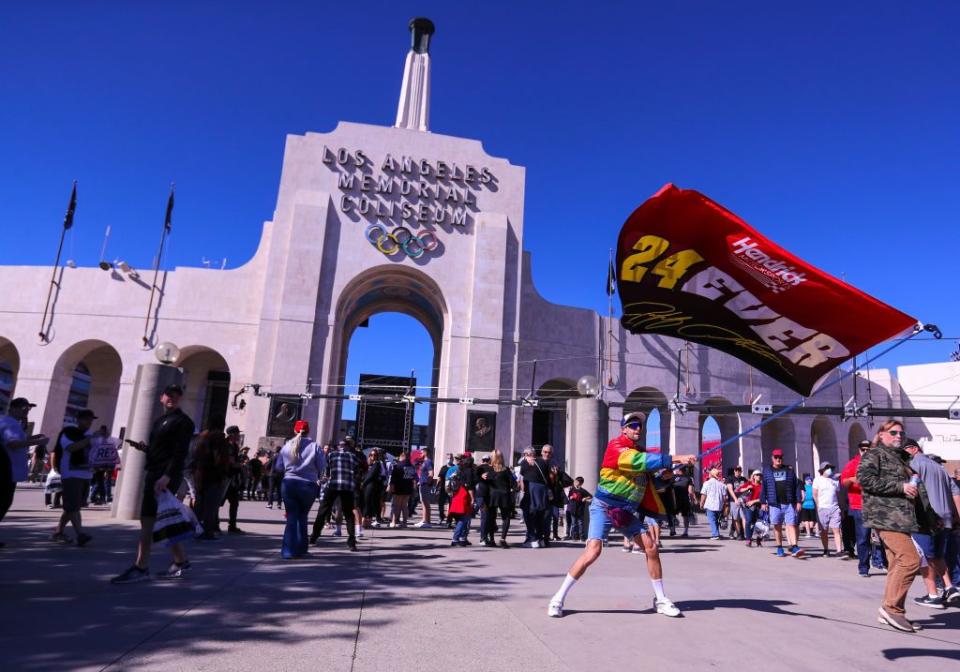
536	498
300	463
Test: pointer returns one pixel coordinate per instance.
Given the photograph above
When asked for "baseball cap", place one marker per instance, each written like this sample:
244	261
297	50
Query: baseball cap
910	443
865	443
824	465
298	426
21	402
173	389
936	458
232	429
756	472
633	416
777	452
486	458
86	413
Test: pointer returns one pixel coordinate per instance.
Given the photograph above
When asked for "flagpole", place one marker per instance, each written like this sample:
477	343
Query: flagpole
610	327
919	328
156	265
67	223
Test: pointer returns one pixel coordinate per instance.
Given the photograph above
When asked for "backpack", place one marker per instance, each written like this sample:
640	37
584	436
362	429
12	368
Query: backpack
453	482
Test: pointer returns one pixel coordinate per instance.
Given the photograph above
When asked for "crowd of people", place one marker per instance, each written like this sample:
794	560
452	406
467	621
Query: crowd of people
891	507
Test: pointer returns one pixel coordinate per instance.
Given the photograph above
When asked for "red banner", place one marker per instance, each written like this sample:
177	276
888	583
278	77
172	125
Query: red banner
689	268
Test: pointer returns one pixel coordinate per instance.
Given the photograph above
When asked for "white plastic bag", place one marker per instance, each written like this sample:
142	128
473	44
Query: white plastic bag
175	521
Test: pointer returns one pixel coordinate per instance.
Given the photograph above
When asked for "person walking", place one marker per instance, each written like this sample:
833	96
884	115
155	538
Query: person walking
733	483
683	497
826	489
273	478
933	542
442	497
750	498
73	455
889	490
425	485
211	467
778	496
580	498
166	451
712	495
342	470
848	479
499	501
234	482
536	502
623	494
373	486
462	500
808	506
300	462
14	447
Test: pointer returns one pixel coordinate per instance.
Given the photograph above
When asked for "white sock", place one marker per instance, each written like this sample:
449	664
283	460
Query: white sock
561	594
658	588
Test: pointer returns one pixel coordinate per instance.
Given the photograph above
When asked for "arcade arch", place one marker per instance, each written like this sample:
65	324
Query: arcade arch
206	389
87	374
823	440
779	433
855	435
648	400
385	289
728	426
550	422
9	369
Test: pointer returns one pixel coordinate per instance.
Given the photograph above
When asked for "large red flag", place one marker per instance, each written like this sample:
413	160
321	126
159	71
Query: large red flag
689	268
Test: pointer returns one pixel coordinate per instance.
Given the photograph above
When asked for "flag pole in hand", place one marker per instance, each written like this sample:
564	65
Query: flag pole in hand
67	224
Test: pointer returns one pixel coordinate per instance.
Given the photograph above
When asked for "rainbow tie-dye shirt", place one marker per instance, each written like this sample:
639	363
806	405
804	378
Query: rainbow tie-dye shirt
623	475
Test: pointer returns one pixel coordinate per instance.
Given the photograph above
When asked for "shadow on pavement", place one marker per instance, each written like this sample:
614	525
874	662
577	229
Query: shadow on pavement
897	654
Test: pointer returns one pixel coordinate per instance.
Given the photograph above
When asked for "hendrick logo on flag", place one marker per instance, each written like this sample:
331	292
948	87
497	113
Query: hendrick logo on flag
774	274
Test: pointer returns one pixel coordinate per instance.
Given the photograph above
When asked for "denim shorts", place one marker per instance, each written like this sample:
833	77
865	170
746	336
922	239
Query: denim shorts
601	522
783	513
932	545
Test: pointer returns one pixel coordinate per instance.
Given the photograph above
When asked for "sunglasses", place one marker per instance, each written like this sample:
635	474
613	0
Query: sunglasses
895	432
778	457
633	425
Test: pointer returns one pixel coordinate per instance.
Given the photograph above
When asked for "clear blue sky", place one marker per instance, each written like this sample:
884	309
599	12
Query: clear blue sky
831	128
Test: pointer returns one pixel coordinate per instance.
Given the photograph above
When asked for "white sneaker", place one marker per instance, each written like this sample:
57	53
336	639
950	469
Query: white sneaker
626	549
359	530
422	524
531	544
376	525
555	609
637	549
666	607
393	526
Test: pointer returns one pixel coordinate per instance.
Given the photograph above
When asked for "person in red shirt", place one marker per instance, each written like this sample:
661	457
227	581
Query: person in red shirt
749	494
848	479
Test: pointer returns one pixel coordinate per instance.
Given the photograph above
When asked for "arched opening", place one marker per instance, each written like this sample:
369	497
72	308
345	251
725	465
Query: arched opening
375	365
648	400
855	435
721	429
779	433
86	375
206	389
9	368
550	419
823	441
411	294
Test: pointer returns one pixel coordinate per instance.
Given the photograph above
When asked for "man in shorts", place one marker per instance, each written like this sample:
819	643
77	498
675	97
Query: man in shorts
778	495
825	492
73	454
166	452
624	495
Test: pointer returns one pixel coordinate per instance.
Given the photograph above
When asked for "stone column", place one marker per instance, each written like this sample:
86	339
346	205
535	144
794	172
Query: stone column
144	409
586	438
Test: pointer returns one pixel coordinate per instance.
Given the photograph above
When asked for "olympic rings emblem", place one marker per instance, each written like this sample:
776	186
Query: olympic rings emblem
401	239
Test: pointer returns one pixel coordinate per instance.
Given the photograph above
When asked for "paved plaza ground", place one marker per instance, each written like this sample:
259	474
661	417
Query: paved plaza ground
408	601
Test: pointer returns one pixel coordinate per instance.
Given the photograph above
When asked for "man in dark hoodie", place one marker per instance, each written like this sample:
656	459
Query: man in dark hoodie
166	452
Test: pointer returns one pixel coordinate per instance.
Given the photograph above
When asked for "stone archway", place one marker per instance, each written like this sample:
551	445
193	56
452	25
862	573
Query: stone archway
855	435
90	371
550	422
9	369
383	289
779	433
206	377
823	441
646	399
729	426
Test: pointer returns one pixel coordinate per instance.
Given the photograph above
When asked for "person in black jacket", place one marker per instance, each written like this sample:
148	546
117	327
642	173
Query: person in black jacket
372	487
166	451
499	498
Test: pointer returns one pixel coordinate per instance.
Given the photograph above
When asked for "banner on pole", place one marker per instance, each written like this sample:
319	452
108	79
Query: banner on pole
689	268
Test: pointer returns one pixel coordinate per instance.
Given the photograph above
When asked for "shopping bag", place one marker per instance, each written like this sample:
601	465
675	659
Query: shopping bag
175	521
53	483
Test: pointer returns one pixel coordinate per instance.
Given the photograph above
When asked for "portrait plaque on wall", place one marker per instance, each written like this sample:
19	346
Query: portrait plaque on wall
284	411
481	431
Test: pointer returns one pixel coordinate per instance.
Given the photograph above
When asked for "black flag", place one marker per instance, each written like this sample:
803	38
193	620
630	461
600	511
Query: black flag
68	219
166	222
611	280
